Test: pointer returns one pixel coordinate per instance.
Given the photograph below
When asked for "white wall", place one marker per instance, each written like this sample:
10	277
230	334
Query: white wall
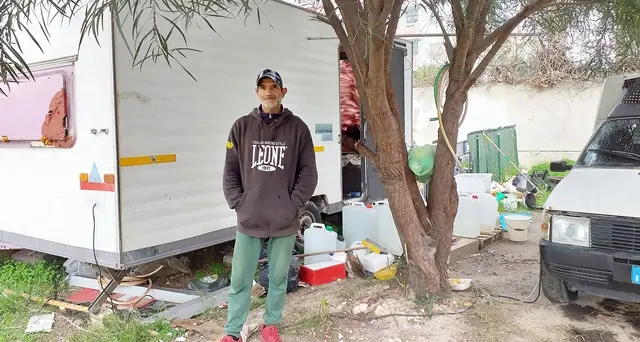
550	124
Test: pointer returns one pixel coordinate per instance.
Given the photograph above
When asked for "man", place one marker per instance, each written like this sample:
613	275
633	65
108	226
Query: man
269	173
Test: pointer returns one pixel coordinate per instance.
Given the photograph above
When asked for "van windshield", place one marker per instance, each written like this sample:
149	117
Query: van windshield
616	143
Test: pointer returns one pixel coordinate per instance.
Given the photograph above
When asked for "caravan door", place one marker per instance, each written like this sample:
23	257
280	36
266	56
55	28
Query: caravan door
402	83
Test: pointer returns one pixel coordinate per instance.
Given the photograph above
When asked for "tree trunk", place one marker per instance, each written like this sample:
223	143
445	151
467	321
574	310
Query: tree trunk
443	196
392	165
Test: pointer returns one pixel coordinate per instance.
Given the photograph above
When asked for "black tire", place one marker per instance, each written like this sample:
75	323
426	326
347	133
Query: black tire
554	288
309	213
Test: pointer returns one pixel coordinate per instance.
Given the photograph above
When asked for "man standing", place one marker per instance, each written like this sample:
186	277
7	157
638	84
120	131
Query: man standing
269	173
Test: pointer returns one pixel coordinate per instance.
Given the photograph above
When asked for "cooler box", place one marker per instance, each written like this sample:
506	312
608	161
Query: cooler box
323	272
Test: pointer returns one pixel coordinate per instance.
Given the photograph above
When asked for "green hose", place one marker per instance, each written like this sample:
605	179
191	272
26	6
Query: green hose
436	82
436	98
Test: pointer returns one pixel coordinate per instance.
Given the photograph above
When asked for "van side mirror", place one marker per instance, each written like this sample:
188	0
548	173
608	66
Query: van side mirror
560	166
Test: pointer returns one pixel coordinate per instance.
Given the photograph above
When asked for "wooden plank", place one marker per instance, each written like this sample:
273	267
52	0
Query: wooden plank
487	239
468	246
464	247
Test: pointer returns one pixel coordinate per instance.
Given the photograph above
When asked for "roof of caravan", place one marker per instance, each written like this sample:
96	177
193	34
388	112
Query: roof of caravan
625	110
286	3
322	15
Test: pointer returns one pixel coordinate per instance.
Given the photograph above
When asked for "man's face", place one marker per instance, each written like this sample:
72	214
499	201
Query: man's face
269	93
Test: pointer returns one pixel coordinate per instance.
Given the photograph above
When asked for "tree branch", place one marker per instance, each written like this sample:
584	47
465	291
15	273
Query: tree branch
464	41
448	45
511	24
353	23
392	27
366	152
484	63
458	14
498	37
479	31
359	67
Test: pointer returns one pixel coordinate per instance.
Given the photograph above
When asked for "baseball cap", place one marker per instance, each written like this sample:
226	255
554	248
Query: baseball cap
272	74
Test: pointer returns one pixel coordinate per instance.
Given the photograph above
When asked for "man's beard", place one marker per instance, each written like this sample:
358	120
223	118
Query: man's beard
270	104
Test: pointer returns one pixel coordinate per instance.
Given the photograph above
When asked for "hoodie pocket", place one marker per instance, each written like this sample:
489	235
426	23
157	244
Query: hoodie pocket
266	208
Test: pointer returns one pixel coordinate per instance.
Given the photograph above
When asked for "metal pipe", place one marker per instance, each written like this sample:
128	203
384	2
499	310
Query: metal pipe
429	35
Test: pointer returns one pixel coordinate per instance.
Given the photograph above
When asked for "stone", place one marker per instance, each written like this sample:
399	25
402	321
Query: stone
360	309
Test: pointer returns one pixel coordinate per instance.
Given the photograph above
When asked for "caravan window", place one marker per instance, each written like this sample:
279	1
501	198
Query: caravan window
35	112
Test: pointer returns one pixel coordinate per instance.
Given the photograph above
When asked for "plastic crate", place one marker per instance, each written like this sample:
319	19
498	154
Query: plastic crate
468	183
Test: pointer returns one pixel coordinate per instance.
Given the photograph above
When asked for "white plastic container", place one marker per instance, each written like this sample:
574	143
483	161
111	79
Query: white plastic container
318	239
340	256
467	183
466	223
387	235
488	215
517	227
358	223
375	262
341	244
360	253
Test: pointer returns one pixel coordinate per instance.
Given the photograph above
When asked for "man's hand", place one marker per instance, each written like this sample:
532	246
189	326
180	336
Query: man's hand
231	176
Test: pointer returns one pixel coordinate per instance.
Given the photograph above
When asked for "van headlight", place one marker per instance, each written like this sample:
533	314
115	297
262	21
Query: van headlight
571	230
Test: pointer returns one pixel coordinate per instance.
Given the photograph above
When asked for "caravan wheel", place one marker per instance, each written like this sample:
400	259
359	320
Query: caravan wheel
308	214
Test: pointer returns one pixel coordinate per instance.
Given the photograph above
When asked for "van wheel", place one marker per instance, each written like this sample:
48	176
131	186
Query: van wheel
309	213
554	288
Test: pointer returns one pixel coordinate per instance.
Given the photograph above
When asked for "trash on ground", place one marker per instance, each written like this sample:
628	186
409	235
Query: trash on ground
387	273
458	284
258	290
293	277
208	329
40	323
360	308
248	329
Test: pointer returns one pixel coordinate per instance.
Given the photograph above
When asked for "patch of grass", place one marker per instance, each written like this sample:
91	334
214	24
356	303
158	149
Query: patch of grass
44	279
541	197
218	268
546	166
427	302
520	208
356	286
219	315
127	329
14	316
489	323
320	322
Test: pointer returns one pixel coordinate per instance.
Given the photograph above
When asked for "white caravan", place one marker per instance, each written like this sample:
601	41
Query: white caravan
130	166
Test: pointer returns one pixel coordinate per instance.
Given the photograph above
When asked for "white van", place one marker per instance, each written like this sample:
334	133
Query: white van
591	220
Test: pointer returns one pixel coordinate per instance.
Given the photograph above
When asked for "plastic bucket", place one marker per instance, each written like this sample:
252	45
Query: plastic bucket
517	227
503	224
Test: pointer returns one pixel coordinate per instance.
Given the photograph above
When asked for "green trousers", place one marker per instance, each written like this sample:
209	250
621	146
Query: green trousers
243	269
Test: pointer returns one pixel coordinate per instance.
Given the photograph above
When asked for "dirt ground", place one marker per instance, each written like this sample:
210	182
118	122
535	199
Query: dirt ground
505	268
371	310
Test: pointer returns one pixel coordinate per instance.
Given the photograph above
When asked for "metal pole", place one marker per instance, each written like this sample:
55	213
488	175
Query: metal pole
428	35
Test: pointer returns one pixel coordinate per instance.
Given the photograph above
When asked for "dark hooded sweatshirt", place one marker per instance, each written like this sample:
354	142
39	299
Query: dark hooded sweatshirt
269	172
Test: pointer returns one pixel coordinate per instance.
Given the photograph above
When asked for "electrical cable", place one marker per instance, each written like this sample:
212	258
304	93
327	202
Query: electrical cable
126	281
524	300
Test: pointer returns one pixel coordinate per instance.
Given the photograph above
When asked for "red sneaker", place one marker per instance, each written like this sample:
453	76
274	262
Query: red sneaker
230	339
270	334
